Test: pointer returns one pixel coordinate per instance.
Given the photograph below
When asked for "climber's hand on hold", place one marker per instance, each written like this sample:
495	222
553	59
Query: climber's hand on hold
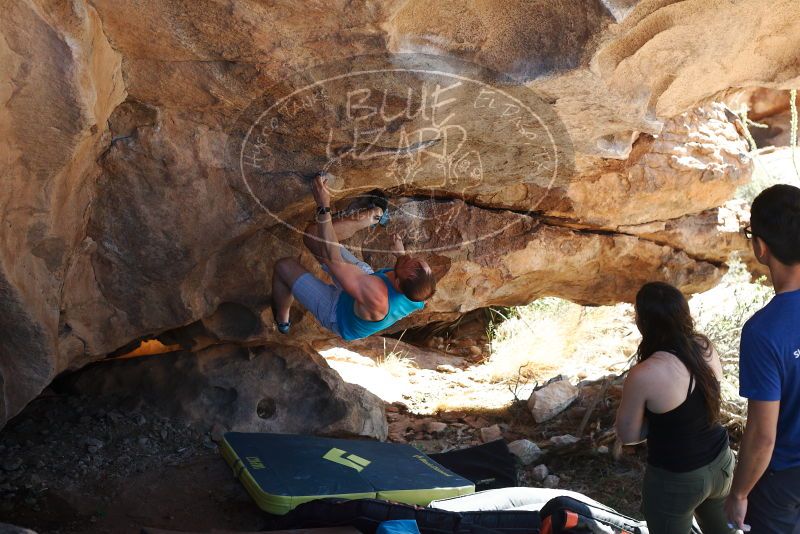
397	245
320	189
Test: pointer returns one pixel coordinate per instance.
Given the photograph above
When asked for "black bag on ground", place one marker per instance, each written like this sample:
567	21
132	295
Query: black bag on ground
367	514
568	515
488	466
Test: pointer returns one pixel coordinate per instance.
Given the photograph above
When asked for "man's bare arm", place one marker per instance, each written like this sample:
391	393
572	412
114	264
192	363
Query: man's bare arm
755	453
757	445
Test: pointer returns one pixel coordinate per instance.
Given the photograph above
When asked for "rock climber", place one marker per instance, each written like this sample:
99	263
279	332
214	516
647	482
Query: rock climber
361	301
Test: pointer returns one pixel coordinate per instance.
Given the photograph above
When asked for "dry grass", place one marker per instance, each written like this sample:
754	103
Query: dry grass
721	313
396	363
553	336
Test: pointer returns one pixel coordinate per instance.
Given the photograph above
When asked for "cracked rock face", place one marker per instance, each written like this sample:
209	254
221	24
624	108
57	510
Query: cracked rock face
530	149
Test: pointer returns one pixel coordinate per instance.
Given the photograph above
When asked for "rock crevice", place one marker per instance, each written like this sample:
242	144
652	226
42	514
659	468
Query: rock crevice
128	211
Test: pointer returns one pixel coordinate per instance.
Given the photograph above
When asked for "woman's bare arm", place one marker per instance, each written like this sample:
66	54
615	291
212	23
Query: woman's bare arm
631	425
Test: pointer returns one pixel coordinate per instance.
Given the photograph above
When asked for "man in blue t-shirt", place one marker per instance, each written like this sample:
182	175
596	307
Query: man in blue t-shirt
765	492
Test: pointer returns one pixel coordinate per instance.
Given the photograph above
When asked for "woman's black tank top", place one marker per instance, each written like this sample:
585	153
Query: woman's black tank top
683	439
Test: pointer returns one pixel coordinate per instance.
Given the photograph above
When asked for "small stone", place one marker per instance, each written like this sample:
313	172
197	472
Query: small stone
143	441
141	420
491	433
475	421
566	439
540	472
115	416
217	432
602	449
446	368
551	481
92	449
93	442
164	435
435	427
526	450
552	399
25	426
12	464
396	437
475	351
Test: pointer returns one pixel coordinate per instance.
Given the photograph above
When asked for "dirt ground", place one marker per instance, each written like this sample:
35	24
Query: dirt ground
70	464
77	465
64	486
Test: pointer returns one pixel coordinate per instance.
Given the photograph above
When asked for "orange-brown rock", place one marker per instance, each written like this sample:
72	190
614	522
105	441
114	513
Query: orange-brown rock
129	213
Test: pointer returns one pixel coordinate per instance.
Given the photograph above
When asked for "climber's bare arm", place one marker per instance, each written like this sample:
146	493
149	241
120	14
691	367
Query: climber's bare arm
369	291
329	250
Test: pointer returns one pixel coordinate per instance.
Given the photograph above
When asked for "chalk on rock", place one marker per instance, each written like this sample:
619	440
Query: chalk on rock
602	449
526	450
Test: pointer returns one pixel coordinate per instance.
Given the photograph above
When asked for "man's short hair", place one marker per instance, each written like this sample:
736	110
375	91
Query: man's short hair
775	218
420	285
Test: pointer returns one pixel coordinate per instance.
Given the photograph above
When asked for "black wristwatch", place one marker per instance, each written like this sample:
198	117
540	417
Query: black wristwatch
323	210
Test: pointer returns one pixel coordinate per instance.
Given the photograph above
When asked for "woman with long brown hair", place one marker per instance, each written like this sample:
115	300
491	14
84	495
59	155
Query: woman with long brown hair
671	398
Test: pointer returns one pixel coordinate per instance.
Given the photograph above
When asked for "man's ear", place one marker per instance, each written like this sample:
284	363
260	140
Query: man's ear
761	250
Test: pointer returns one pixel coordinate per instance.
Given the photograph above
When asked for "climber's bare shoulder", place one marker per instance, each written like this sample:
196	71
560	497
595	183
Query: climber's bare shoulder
369	292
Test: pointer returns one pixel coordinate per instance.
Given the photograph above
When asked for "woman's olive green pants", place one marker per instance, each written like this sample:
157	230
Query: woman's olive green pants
669	500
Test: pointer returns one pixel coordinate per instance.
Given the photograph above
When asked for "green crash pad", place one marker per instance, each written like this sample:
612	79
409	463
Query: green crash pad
281	471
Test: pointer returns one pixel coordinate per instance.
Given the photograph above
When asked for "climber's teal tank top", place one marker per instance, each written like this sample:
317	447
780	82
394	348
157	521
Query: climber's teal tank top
353	327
